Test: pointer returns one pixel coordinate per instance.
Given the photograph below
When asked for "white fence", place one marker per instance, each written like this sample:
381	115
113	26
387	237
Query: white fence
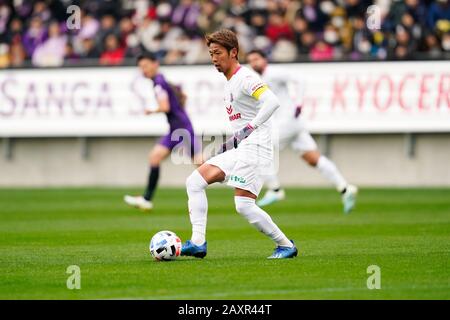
377	97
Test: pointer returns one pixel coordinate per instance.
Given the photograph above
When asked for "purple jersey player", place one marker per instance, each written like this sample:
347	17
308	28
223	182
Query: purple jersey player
170	100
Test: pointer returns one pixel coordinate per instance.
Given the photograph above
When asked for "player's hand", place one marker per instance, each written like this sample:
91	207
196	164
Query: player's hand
298	110
237	137
148	111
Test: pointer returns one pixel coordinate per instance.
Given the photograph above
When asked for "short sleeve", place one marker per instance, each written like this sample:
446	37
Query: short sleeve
254	86
160	92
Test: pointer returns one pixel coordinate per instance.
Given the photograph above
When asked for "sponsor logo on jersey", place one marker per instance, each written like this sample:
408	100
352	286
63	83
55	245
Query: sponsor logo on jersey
229	109
235	116
258	86
237	179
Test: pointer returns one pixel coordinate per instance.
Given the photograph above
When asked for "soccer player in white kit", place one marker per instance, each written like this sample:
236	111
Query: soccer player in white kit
244	157
292	130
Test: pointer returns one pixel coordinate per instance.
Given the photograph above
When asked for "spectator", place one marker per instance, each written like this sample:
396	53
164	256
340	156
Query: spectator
113	54
133	47
240	8
439	10
107	27
34	36
445	43
401	52
284	51
403	38
89	27
51	51
174	29
306	42
15	31
278	28
4	56
361	46
126	27
17	54
70	57
211	17
89	49
430	46
40	9
258	22
186	15
321	51
315	17
5	14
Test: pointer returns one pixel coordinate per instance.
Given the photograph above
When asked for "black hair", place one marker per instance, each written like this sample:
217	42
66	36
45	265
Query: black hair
257	51
147	55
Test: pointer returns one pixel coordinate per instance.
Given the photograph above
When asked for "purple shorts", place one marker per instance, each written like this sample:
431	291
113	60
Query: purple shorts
181	137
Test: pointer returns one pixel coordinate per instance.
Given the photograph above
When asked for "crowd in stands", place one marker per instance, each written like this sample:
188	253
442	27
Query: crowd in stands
47	33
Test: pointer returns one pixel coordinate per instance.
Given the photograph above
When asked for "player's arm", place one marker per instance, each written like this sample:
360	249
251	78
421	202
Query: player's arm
296	89
162	99
270	104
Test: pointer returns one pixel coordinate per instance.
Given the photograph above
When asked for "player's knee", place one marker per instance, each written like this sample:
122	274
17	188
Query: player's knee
243	206
154	159
195	182
312	162
311	158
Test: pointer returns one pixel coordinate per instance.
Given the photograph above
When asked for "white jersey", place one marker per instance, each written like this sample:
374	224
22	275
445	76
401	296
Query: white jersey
241	97
290	130
281	83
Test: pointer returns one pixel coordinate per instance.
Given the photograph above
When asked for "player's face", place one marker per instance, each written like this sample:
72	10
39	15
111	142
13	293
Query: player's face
257	62
149	68
221	57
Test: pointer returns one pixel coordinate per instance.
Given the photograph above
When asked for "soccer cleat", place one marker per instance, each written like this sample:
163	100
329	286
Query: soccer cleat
271	197
138	202
190	249
284	252
349	198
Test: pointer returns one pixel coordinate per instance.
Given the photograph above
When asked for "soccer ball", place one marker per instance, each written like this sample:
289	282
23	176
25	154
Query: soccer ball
165	245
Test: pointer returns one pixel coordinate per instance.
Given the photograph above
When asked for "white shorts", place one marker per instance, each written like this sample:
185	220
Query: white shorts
242	171
295	134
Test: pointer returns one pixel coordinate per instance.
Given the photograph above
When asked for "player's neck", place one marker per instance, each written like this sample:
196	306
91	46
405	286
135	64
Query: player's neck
263	70
232	71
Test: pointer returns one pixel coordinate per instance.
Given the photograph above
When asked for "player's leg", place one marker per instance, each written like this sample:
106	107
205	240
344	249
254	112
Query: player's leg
196	184
246	206
274	191
156	156
286	133
306	144
196	150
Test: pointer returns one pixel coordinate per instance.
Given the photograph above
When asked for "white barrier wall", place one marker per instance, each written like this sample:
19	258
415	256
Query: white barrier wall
339	97
366	160
366	108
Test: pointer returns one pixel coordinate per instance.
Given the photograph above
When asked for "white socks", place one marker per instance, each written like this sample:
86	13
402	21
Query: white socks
325	166
272	182
198	206
328	169
261	220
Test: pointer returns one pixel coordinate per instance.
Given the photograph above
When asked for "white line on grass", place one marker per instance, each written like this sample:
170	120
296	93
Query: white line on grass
261	292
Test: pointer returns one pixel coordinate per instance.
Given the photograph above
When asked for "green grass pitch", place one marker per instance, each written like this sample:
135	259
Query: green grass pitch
406	232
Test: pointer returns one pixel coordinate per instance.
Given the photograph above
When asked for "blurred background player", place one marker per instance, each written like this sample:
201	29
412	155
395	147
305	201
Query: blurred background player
170	100
292	130
244	157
